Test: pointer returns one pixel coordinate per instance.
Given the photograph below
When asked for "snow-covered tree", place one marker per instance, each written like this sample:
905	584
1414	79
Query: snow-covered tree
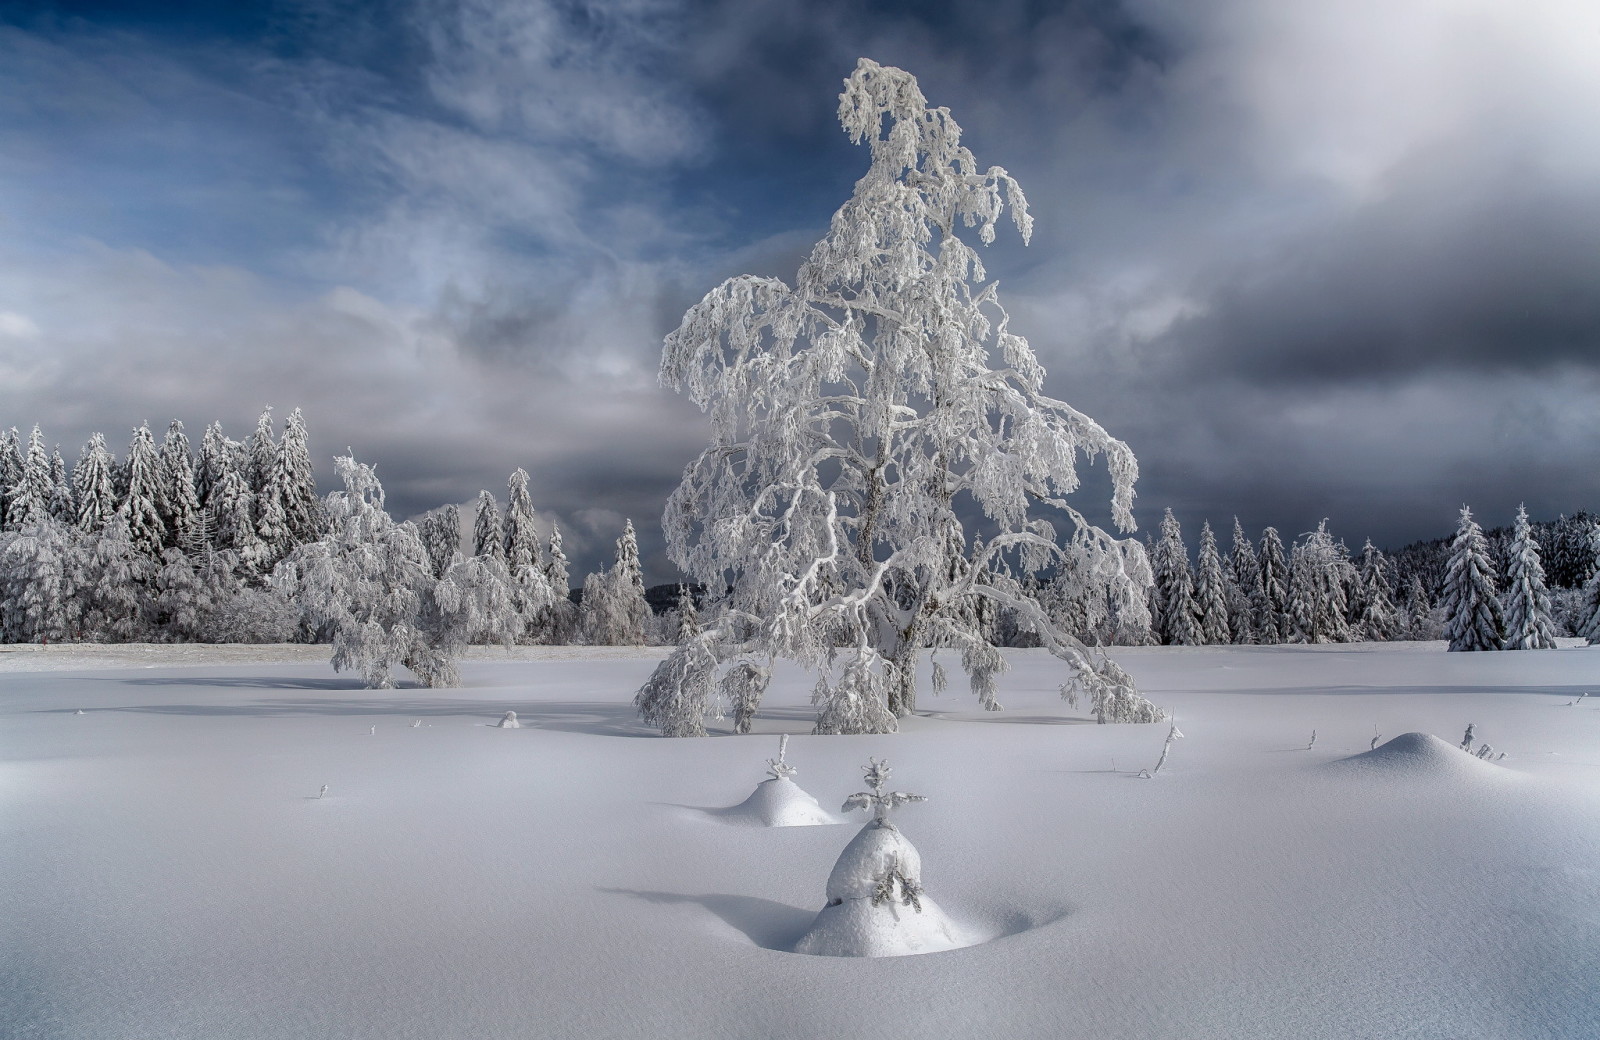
688	616
1244	578
110	574
295	483
63	506
1319	572
614	609
855	418
1571	560
561	619
12	466
28	500
261	454
1211	592
1375	617
441	536
177	502
230	508
36	582
1473	619
96	494
1419	612
487	537
370	583
1588	625
1271	594
1172	600
1527	608
530	585
179	599
216	456
139	500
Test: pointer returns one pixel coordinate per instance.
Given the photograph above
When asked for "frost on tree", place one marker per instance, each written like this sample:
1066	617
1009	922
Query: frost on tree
1473	619
1589	617
1319	572
92	481
1528	624
1374	614
614	608
1271	593
1244	577
856	418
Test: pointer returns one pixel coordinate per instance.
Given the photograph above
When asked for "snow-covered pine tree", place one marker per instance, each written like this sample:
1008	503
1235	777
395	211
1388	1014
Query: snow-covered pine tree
36	582
688	616
110	574
1570	562
178	502
296	482
487	537
370	583
530	585
1244	577
1419	612
91	478
1473	619
1175	613
556	566
614	609
1376	619
28	500
1211	593
1271	594
1588	625
230	507
441	536
561	619
138	506
178	599
12	466
1319	572
855	416
261	454
216	456
62	504
1527	607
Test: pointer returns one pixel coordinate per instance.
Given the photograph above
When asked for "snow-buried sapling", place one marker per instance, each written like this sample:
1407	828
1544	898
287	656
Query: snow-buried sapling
508	721
780	802
876	906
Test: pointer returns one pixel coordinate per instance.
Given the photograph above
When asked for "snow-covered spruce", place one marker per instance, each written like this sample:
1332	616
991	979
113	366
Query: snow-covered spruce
876	906
1473	619
855	419
1173	611
1528	624
780	802
1319	572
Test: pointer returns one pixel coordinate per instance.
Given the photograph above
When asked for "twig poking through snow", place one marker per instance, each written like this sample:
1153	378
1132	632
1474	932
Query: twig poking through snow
1376	736
1466	741
777	767
1172	734
1571	704
417	724
372	732
323	791
1313	741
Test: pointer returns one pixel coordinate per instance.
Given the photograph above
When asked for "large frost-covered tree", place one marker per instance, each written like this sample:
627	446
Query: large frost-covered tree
614	609
1473	619
294	482
1588	625
530	584
28	500
1527	606
178	504
487	537
1244	576
1374	615
140	496
858	426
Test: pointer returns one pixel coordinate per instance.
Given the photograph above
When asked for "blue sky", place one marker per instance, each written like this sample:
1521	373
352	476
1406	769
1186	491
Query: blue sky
1307	259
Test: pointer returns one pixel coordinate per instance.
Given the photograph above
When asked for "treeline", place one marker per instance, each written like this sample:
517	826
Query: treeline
1315	590
228	544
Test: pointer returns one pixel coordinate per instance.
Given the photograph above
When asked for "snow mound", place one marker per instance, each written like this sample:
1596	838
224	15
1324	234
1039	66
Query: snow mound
781	802
862	919
1422	755
509	721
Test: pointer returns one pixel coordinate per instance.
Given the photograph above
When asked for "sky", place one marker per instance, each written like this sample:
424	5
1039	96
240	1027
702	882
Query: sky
1307	259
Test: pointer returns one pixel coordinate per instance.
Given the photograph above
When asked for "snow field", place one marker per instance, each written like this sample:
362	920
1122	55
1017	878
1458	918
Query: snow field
171	872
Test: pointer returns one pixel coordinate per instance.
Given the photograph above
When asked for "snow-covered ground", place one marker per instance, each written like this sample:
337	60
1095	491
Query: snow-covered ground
170	871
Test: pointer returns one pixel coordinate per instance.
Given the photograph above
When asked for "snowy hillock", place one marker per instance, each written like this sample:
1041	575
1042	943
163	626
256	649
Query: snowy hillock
1422	755
779	801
